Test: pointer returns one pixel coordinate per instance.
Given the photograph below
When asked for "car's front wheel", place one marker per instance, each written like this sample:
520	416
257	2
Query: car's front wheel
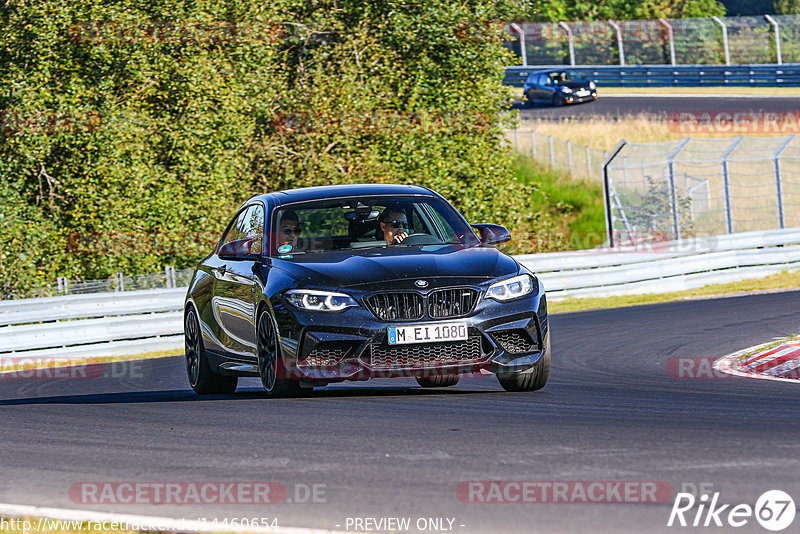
270	365
202	378
558	100
532	379
442	381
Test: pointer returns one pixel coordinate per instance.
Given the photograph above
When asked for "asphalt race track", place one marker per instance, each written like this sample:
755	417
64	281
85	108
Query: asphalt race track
390	449
661	107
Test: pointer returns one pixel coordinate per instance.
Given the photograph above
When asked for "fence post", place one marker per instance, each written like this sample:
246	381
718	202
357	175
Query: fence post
569	155
671	36
724	39
63	284
120	282
778	186
726	184
552	152
676	227
169	272
619	41
533	144
588	161
609	211
571	42
777	40
516	140
522	50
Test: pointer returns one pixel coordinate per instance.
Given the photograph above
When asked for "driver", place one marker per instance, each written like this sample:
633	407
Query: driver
289	229
394	225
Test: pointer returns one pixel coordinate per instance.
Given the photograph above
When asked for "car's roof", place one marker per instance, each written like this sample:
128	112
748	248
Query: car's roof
346	190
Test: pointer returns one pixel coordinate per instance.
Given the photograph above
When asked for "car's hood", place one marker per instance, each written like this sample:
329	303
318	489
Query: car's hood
576	84
385	265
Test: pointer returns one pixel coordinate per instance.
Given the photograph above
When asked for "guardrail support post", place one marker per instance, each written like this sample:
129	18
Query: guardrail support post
778	185
671	36
552	152
676	226
724	39
619	41
120	282
571	41
726	185
777	40
523	53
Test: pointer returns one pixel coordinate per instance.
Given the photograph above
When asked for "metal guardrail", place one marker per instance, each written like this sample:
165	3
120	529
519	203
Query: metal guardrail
787	75
151	320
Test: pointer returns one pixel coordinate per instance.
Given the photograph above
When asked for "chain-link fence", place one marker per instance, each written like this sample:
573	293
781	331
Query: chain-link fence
701	187
580	161
690	41
168	278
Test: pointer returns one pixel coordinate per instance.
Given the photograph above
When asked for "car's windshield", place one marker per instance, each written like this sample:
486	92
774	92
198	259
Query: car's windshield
565	76
366	222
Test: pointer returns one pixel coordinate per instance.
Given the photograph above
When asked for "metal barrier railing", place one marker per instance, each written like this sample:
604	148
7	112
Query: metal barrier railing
687	41
674	76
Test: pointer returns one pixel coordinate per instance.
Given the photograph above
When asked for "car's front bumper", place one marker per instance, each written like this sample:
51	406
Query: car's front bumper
352	345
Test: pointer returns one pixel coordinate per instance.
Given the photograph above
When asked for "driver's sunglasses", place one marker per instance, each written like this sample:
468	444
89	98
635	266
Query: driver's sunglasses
290	231
399	224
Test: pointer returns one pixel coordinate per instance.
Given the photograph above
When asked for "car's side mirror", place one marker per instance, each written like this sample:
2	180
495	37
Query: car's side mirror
492	234
239	249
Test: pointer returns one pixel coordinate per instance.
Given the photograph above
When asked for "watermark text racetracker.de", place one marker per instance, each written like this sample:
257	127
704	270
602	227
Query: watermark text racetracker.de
196	492
564	491
40	368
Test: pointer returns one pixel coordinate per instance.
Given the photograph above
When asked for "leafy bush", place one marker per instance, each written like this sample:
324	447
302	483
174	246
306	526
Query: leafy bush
131	131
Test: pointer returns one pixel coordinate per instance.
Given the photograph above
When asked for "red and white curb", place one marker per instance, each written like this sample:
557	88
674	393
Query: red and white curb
781	363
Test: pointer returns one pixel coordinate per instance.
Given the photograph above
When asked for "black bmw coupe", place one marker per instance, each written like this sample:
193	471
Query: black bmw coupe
326	284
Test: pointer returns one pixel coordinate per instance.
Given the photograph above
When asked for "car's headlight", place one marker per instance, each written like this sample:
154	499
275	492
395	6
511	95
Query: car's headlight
326	301
566	89
511	288
592	86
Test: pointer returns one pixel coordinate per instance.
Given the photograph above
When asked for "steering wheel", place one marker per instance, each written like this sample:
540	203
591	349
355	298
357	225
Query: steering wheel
420	238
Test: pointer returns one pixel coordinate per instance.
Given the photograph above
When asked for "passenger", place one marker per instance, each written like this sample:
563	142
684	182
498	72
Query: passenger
394	225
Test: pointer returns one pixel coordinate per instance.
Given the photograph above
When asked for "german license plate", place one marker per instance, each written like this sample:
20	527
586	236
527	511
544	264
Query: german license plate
427	333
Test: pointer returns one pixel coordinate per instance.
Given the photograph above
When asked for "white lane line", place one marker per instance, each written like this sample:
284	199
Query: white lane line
146	523
730	364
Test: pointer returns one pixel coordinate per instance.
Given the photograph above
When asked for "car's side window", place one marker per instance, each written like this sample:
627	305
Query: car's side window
246	231
544	79
232	231
252	229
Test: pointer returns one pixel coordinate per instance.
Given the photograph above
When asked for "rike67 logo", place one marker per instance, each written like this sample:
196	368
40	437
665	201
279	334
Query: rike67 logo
774	510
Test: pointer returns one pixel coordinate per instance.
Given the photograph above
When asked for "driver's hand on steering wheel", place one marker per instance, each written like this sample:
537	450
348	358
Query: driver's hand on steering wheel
399	238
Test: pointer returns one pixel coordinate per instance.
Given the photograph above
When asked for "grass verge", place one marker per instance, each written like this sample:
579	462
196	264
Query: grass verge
576	206
604	133
781	281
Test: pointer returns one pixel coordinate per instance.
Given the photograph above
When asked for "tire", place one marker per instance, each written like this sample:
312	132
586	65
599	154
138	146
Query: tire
438	381
533	379
202	378
558	100
270	364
